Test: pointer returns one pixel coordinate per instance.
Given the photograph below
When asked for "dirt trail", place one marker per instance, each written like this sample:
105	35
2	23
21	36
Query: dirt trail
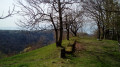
79	47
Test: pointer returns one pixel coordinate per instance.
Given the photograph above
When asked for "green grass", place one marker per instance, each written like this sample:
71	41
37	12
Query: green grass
96	54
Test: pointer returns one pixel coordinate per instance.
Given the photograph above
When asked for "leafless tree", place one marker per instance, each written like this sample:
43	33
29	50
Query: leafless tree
10	13
76	21
73	19
94	9
105	13
67	24
36	12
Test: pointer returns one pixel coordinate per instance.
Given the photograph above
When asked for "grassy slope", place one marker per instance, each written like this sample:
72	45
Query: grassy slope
96	54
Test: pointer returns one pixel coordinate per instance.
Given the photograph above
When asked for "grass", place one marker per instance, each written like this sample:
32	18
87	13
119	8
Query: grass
96	54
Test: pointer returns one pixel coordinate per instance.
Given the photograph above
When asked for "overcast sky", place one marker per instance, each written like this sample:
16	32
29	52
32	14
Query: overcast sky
8	23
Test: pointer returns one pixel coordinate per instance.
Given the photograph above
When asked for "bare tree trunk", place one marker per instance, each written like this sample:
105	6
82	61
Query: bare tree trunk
75	34
103	32
113	32
61	23
99	33
67	27
56	34
67	34
55	29
118	37
107	34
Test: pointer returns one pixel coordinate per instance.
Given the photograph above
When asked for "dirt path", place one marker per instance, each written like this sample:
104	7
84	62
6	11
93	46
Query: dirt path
79	47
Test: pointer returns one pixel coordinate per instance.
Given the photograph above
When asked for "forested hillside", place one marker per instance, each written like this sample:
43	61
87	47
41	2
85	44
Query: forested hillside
14	41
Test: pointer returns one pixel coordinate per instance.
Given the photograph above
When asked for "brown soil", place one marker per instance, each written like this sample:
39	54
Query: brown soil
79	47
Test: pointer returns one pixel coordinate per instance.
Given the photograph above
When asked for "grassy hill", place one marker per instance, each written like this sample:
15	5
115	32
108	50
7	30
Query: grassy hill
89	53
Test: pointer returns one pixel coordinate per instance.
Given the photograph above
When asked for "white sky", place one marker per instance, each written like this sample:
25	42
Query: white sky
8	23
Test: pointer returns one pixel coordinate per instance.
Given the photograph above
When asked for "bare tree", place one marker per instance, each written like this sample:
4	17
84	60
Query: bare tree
36	12
73	19
10	13
105	13
67	23
94	9
76	21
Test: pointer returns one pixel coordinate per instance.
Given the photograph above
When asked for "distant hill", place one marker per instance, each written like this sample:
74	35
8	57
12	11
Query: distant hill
14	41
